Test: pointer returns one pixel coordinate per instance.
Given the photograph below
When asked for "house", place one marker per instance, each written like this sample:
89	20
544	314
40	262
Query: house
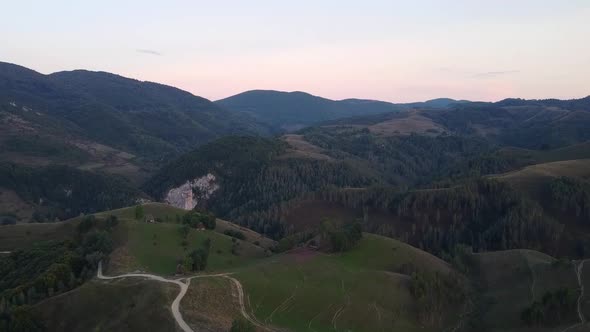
150	218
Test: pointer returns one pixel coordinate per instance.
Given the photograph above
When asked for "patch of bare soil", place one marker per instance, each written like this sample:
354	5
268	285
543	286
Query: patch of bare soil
10	202
302	255
300	148
209	305
413	123
121	261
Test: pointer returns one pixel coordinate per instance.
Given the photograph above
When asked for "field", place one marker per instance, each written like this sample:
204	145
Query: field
513	279
24	235
572	152
210	305
122	305
250	235
300	148
163	211
360	290
413	123
157	247
532	178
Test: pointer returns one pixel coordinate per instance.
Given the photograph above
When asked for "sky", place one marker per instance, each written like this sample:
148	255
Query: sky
399	51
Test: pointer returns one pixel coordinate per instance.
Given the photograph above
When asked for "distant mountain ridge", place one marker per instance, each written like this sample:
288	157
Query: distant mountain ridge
148	119
295	110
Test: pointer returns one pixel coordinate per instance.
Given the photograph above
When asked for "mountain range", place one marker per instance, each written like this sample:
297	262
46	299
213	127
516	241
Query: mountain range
291	111
285	211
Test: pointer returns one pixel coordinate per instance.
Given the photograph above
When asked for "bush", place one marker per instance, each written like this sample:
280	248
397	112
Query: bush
112	221
197	259
194	219
235	234
86	224
139	213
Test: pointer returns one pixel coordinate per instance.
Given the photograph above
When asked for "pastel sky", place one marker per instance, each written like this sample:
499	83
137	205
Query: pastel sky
389	50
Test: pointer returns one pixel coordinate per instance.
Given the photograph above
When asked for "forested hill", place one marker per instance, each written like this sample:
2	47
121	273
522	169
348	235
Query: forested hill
532	124
148	119
404	151
295	110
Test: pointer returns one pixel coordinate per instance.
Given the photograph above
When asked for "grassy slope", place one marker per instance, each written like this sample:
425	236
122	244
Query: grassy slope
512	279
122	305
576	151
210	305
156	247
357	290
532	177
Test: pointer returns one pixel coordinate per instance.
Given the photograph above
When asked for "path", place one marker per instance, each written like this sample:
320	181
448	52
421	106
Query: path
175	304
175	307
240	289
534	279
578	270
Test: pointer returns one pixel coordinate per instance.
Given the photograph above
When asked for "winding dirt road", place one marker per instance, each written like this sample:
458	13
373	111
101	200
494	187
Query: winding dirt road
175	304
175	307
578	269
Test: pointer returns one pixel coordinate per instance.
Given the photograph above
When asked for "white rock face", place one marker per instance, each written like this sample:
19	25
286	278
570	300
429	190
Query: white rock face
188	195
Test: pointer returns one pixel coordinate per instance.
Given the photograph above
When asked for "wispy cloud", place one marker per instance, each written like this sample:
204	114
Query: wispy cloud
150	52
492	74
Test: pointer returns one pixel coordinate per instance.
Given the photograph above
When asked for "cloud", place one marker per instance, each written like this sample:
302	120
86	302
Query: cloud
492	74
150	52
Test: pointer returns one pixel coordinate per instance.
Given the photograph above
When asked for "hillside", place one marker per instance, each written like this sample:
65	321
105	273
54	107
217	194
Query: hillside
291	111
77	108
512	281
50	193
533	178
366	289
126	305
302	289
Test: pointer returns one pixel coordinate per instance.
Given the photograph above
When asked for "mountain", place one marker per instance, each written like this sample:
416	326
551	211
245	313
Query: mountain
294	110
82	141
148	119
259	182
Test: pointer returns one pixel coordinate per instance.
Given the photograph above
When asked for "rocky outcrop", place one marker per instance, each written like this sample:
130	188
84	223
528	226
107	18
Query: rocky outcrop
189	194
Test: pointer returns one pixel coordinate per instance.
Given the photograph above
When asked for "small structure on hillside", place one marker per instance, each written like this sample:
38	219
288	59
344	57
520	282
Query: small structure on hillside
150	218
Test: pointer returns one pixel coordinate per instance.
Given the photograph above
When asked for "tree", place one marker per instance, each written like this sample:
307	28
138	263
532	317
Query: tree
23	320
183	231
112	221
242	325
86	224
139	213
198	258
99	242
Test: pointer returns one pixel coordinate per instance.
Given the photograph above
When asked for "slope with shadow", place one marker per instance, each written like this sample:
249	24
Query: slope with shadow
514	281
123	305
148	119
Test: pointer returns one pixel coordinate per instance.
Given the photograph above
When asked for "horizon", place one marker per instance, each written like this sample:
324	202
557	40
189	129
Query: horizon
381	50
299	91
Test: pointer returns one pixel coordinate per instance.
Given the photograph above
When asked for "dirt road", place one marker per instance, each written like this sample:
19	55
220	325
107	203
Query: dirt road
175	307
578	269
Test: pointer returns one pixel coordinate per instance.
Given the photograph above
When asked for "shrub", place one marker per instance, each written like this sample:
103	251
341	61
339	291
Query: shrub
235	234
